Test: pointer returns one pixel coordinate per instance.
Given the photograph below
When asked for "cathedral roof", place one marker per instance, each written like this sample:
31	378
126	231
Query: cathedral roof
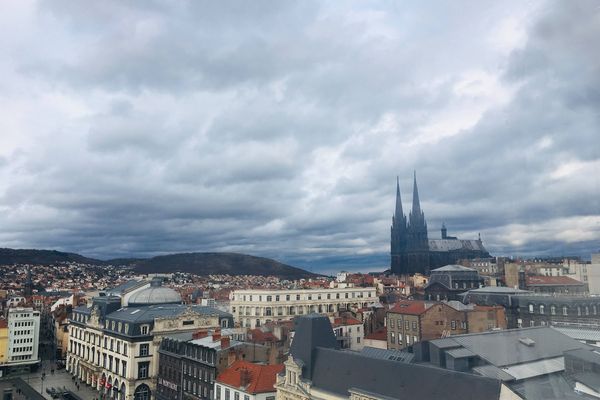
455	244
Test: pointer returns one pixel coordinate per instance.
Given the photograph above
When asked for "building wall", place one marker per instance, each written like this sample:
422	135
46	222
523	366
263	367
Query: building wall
485	319
441	319
3	344
23	335
252	308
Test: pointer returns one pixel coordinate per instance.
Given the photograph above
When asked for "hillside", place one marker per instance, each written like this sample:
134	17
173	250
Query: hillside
198	263
220	263
42	257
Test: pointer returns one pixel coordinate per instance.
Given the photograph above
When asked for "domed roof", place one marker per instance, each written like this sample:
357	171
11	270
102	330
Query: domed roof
155	294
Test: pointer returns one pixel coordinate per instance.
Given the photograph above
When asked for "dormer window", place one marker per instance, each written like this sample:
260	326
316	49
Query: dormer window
144	329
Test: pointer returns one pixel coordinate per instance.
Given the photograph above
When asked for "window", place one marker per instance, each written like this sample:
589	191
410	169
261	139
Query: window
453	324
414	325
144	329
144	349
541	308
392	337
399	338
406	325
236	396
143	370
415	340
391	322
565	310
531	309
218	392
227	394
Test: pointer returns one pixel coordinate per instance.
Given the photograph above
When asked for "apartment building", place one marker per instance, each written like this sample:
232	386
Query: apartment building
255	307
22	336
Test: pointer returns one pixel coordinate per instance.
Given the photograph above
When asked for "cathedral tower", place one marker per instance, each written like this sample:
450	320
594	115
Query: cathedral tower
399	236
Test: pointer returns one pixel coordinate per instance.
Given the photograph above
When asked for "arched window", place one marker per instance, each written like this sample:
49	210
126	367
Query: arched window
142	392
541	308
565	310
553	309
531	309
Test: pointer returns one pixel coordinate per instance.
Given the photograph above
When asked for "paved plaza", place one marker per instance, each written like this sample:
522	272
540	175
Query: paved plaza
60	379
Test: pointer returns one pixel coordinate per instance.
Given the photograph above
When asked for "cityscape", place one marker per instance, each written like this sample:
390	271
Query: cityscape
300	200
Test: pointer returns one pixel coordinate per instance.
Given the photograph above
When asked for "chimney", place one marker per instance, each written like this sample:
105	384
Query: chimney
244	377
225	342
216	336
199	334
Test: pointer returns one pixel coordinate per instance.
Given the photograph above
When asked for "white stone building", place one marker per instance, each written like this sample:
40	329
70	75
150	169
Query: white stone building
254	307
23	338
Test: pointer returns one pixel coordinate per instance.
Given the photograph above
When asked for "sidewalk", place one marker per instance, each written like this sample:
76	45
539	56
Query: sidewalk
60	379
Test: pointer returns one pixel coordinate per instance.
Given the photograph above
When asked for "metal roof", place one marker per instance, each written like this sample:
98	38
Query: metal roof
453	267
504	348
580	333
536	368
461	352
491	371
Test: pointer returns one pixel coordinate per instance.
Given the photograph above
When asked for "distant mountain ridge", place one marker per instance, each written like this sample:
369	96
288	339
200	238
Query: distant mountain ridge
197	263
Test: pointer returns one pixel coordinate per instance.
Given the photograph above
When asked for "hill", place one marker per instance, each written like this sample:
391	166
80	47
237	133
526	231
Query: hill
220	263
197	263
42	257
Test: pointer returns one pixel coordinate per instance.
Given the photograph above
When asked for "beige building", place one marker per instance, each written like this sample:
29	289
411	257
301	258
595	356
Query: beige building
254	307
114	349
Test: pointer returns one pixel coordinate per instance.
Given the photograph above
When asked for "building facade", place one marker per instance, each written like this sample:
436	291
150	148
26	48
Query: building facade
189	364
115	349
22	341
411	249
409	322
255	307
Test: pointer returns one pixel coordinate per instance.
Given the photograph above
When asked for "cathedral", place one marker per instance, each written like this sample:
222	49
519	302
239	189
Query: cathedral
411	249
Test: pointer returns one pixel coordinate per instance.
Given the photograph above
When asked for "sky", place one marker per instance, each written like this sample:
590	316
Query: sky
278	128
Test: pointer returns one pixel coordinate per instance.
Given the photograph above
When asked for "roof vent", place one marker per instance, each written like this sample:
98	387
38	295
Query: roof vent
527	341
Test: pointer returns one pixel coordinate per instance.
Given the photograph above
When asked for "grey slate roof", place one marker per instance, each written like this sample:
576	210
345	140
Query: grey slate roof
455	244
149	313
503	348
391	355
338	371
580	333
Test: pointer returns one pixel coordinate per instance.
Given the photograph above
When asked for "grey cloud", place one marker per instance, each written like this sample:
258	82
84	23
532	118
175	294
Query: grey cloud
278	128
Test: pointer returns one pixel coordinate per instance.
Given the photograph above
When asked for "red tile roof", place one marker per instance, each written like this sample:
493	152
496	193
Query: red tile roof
552	281
414	307
258	336
380	334
260	378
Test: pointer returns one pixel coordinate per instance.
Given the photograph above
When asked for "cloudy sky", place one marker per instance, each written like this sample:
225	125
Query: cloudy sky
277	128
